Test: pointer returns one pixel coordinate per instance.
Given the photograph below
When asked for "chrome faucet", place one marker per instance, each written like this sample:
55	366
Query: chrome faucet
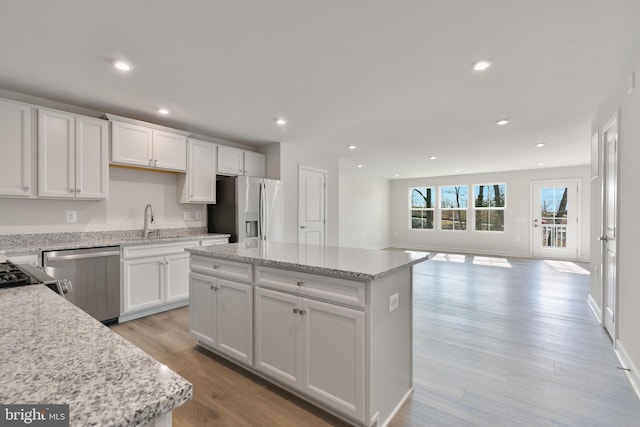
147	220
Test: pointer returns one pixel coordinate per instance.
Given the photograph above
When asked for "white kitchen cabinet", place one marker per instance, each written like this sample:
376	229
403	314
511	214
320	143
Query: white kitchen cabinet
233	161
215	241
199	183
72	156
135	144
18	147
221	316
143	283
177	275
315	347
154	278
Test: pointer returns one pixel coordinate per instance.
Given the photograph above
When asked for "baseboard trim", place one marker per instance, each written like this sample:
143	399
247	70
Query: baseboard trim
397	408
593	305
633	374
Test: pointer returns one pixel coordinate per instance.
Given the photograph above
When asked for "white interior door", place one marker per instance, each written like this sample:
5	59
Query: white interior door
610	184
555	219
311	205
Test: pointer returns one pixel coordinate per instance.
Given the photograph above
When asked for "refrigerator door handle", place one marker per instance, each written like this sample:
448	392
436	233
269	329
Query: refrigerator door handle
265	212
260	212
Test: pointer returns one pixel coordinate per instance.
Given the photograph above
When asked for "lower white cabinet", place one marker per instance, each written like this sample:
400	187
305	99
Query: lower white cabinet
154	278
221	315
315	347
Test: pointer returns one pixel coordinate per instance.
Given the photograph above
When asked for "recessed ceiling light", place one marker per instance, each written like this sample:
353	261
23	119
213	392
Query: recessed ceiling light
458	170
432	158
122	66
163	111
481	65
540	163
351	147
540	144
396	175
360	166
281	122
502	122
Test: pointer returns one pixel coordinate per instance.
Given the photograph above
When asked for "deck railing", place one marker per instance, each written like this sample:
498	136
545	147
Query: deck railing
554	235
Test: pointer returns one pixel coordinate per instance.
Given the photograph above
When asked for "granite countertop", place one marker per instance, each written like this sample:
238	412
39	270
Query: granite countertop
25	243
346	263
52	352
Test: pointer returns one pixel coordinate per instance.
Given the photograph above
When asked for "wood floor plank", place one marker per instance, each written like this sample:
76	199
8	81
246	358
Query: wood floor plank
497	342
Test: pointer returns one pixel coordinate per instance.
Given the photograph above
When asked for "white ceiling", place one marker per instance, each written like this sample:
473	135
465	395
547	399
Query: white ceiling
392	77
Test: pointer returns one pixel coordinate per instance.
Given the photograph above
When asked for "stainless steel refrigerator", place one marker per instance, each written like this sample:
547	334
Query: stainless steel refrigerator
247	208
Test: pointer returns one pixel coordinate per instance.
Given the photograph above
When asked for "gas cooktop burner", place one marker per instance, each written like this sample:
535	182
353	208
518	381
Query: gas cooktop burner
11	275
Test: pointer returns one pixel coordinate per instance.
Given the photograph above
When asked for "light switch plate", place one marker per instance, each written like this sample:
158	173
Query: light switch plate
393	302
188	216
198	215
72	216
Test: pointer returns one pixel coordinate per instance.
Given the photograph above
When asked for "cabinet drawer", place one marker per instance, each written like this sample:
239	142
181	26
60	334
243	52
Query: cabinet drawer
155	250
224	269
219	241
327	288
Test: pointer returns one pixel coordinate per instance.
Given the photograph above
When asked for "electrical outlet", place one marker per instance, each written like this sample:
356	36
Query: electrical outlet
198	215
393	302
188	216
72	216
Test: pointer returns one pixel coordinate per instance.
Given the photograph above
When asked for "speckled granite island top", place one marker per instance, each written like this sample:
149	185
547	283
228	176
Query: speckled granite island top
52	352
347	263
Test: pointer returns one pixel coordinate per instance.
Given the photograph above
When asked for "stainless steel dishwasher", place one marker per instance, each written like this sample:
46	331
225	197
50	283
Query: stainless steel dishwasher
95	274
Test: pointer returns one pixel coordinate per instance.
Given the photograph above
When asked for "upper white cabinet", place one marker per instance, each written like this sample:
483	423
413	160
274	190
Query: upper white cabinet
17	144
73	158
233	161
143	146
199	184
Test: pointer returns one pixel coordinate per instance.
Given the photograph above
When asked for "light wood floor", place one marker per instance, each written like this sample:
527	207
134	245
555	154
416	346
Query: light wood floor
497	342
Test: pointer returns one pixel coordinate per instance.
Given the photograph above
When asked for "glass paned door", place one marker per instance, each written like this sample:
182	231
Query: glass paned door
555	219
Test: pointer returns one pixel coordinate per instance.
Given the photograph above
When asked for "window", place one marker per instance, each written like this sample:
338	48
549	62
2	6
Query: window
453	207
489	203
422	208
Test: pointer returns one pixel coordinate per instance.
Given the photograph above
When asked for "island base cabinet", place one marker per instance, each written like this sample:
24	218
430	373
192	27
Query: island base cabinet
316	348
221	316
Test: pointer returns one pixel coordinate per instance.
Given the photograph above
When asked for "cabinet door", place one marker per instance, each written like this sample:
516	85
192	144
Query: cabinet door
18	152
235	320
56	154
333	356
230	161
142	283
255	164
201	172
92	158
202	308
177	274
131	144
169	151
277	336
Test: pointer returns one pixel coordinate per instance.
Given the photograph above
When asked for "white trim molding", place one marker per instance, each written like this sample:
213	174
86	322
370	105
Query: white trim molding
593	305
632	373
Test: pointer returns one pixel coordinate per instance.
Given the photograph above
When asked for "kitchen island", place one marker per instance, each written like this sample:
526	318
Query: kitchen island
332	325
54	353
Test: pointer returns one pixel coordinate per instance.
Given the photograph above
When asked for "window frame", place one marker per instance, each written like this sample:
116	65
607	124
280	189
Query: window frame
441	209
488	209
432	208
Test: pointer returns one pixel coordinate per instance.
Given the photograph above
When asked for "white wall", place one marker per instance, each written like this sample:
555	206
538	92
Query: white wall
628	298
364	209
129	192
290	159
514	241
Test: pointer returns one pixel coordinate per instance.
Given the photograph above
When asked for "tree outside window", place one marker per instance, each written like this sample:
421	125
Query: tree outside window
489	205
453	207
422	208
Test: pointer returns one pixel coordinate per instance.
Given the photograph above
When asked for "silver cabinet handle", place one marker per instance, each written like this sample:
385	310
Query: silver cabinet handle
71	190
78	190
155	163
150	162
27	188
604	238
303	226
299	283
